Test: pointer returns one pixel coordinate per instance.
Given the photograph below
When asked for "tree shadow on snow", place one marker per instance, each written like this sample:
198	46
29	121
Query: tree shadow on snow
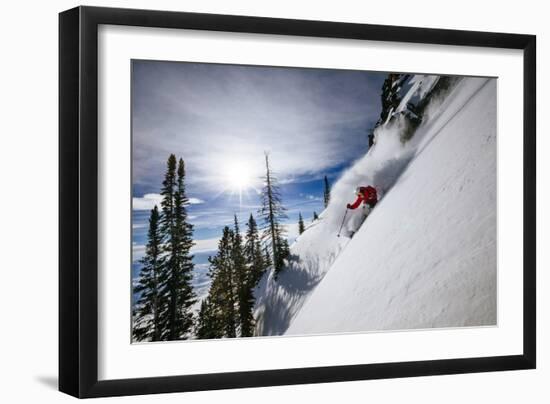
285	297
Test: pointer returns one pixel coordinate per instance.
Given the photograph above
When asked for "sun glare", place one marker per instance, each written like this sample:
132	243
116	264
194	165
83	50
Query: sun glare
238	177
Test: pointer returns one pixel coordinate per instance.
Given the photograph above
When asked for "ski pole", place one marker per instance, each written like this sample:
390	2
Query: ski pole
342	225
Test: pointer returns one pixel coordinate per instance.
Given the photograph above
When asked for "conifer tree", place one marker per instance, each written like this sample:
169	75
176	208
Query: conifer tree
326	191
283	252
208	323
204	321
285	248
253	252
245	297
272	212
177	317
301	226
147	325
267	257
315	216
222	290
167	225
235	270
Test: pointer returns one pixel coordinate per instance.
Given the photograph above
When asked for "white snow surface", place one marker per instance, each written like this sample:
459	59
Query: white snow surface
426	255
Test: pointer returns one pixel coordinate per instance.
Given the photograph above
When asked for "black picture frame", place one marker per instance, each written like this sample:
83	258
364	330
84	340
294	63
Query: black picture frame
78	201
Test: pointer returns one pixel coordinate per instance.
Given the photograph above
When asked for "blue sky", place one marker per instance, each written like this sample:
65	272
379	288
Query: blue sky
222	118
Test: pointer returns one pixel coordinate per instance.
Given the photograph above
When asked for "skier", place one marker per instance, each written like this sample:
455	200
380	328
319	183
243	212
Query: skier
367	195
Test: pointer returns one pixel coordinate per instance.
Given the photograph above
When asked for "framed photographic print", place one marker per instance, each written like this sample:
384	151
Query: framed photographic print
251	201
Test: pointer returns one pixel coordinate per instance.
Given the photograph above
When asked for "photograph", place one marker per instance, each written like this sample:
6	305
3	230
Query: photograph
275	201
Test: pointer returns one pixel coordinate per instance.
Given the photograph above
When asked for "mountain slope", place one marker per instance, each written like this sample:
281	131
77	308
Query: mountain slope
426	256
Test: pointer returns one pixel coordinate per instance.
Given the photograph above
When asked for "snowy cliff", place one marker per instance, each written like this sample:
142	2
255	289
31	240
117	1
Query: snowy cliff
426	255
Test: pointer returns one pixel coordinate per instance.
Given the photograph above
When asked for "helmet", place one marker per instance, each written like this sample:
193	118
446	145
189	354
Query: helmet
358	190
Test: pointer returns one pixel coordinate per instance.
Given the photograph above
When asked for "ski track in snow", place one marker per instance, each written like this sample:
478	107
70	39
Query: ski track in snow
425	257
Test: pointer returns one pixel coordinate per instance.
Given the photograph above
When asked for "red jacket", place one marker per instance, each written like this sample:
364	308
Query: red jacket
367	195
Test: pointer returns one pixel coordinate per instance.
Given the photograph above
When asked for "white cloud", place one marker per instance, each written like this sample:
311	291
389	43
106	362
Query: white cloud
195	201
148	201
213	116
205	245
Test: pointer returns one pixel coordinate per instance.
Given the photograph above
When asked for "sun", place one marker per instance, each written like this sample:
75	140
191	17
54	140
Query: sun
238	177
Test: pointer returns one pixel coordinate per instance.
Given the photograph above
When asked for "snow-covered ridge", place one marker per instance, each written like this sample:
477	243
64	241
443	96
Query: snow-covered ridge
420	247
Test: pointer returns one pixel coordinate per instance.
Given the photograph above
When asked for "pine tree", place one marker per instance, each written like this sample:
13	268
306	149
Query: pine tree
283	252
272	212
245	297
267	257
177	318
208	323
301	226
184	230
285	248
222	289
326	192
147	313
235	270
167	225
253	252
315	216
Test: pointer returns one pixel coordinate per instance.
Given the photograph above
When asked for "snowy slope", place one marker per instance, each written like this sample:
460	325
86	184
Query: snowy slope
278	301
425	256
